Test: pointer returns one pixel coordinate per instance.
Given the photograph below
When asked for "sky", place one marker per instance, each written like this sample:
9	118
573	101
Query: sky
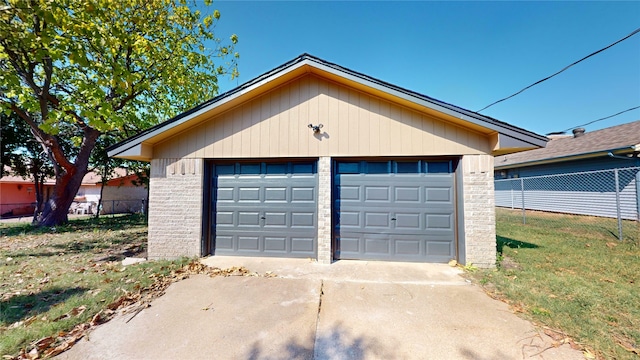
469	54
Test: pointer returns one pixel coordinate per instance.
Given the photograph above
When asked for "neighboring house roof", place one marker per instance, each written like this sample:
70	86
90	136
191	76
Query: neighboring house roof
621	139
91	178
12	179
509	138
127	180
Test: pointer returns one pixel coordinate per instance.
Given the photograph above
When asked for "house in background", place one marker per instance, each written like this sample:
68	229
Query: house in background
18	195
575	174
120	195
315	160
124	194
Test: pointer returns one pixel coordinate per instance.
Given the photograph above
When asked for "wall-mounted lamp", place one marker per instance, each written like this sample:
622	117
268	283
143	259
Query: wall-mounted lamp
316	128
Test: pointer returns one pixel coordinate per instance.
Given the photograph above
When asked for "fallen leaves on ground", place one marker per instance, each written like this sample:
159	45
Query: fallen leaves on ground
627	344
561	338
130	302
77	311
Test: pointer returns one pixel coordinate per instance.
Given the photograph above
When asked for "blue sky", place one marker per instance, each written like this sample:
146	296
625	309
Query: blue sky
469	54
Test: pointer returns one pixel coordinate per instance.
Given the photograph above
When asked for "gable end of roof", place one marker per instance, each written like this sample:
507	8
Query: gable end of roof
535	140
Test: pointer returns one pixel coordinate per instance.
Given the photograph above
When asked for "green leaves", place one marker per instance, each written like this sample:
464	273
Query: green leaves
109	60
105	63
75	70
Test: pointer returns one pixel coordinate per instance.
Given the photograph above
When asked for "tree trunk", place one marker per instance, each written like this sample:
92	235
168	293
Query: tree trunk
56	208
97	214
37	182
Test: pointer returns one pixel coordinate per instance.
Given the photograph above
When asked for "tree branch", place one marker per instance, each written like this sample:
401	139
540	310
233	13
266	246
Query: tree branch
48	71
48	142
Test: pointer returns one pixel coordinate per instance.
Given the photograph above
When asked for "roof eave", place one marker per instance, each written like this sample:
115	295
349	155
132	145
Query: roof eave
622	150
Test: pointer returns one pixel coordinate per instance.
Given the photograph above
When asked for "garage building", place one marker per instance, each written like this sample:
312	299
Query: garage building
314	160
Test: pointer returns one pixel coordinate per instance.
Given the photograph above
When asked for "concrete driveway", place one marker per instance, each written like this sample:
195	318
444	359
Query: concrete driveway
347	310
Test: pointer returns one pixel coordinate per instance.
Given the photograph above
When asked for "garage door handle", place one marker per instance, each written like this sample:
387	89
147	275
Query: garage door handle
262	217
393	218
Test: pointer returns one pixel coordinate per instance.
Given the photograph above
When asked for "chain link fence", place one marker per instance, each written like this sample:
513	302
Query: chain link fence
107	207
607	201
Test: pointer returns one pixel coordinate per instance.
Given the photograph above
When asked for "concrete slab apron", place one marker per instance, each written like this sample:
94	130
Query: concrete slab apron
407	321
214	318
347	310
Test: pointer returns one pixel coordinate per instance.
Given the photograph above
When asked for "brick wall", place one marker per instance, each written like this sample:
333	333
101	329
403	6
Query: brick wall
175	208
324	210
479	210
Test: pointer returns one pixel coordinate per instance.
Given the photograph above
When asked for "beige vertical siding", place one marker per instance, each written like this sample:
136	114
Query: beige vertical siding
355	124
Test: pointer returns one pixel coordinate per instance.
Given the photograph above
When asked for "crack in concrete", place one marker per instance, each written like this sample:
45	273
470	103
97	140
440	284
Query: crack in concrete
315	337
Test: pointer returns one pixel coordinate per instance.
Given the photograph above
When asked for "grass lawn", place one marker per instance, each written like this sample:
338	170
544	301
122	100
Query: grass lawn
563	272
53	279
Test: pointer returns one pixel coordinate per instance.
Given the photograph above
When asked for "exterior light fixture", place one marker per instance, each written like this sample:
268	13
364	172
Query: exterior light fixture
316	128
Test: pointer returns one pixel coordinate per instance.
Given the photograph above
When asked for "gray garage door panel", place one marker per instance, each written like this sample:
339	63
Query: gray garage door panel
265	209
406	216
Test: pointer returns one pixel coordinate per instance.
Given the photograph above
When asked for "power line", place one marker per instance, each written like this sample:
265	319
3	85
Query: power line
591	122
549	77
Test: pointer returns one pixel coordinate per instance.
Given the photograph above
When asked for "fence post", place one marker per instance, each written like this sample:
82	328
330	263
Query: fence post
638	207
524	213
512	195
638	196
619	215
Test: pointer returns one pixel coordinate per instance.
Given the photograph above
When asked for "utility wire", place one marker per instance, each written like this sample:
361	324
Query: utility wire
606	117
549	77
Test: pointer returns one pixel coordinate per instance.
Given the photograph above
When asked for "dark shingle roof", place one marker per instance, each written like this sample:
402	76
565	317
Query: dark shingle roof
610	139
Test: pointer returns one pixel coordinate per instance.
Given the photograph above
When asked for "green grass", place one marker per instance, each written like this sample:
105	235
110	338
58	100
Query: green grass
572	274
45	273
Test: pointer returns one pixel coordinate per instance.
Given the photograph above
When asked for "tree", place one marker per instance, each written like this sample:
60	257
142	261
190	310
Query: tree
74	70
23	156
